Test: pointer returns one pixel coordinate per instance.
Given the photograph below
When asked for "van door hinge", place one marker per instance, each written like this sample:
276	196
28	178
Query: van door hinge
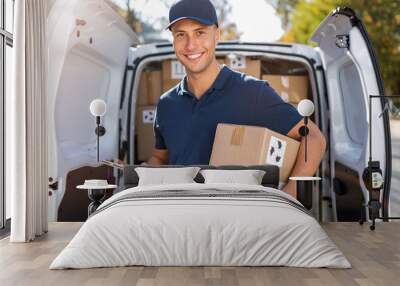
53	186
342	41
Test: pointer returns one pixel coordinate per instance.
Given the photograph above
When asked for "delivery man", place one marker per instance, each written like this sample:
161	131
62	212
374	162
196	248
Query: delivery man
188	114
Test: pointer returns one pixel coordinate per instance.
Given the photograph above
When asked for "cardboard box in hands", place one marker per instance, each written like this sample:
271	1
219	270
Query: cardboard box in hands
250	145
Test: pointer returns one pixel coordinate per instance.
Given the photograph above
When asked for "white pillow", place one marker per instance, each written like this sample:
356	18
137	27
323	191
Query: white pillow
162	176
249	177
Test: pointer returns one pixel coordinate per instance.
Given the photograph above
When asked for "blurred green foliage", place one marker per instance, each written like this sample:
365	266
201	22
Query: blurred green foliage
300	18
147	31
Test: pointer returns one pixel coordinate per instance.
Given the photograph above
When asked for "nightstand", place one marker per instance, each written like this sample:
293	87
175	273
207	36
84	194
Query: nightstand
304	188
96	192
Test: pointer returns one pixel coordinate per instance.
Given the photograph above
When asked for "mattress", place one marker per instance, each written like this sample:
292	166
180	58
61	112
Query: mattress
201	225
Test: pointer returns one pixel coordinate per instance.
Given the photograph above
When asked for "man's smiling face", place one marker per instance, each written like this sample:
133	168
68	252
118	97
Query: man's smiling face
194	44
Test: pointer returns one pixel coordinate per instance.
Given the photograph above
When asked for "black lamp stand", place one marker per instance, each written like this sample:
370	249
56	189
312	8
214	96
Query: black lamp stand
304	187
303	131
100	131
371	174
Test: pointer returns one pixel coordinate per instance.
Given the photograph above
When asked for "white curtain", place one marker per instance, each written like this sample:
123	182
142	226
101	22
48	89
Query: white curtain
26	123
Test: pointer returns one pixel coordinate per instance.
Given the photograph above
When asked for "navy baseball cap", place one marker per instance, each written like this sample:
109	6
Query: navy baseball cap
202	11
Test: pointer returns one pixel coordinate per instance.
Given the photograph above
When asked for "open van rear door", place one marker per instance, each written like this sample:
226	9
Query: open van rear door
88	50
352	74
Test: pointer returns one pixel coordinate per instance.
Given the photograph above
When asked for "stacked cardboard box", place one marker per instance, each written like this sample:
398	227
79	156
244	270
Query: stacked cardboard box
247	65
249	145
150	87
142	96
154	86
145	116
221	61
150	90
172	73
292	88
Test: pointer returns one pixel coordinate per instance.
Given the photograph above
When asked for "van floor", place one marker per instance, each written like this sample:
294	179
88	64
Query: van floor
374	255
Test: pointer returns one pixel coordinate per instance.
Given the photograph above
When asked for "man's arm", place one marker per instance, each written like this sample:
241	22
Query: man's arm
158	157
316	144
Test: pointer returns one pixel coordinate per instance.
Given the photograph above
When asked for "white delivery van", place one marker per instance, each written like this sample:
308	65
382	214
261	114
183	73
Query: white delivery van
94	54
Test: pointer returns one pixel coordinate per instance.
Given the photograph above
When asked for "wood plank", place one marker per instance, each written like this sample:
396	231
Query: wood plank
374	255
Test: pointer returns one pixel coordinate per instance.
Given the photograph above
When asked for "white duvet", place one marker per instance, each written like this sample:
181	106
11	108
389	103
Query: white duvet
200	231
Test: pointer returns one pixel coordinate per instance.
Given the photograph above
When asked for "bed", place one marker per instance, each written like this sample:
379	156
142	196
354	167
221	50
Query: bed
201	224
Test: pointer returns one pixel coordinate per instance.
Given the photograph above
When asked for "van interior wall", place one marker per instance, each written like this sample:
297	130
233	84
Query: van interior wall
290	79
88	49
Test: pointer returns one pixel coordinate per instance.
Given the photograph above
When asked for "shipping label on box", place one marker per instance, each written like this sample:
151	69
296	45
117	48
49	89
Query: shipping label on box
237	62
171	76
177	70
245	65
148	116
276	151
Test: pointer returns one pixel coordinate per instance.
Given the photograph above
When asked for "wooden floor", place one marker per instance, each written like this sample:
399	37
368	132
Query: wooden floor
375	257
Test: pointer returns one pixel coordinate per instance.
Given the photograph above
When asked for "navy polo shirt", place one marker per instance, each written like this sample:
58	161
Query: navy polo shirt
186	126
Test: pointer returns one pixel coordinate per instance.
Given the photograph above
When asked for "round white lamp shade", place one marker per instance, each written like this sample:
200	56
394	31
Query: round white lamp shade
98	107
305	107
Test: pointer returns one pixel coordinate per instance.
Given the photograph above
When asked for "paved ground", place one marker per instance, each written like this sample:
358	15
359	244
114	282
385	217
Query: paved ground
395	185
